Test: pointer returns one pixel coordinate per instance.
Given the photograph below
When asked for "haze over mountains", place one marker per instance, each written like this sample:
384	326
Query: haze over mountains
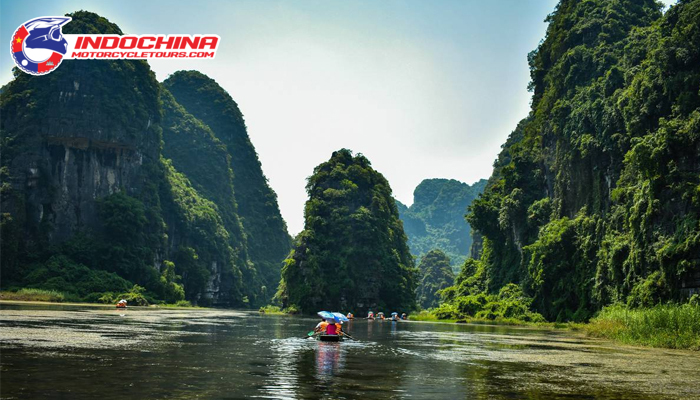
436	219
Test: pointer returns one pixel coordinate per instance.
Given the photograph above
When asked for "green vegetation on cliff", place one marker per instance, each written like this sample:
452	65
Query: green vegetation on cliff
436	274
267	237
92	209
469	298
352	254
594	198
435	220
204	163
68	138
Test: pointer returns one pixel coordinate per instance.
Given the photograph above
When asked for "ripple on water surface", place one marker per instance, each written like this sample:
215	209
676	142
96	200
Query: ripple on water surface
89	352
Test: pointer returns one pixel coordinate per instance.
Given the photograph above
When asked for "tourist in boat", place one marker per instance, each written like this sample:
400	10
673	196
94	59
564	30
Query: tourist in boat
370	315
321	327
350	316
332	328
394	316
121	304
404	316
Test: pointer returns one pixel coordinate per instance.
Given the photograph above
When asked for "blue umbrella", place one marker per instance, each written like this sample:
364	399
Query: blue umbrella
326	315
340	317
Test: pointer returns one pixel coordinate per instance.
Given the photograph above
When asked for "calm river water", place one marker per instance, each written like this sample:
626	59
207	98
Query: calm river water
80	352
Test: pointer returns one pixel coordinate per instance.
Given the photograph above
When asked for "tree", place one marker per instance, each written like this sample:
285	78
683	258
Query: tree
436	275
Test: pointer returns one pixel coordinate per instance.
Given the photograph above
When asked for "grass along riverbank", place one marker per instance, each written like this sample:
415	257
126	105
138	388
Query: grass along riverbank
427	316
275	310
670	326
674	326
51	296
134	298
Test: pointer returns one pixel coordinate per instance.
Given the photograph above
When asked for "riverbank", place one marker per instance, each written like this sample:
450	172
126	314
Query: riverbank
666	326
137	296
275	310
425	316
96	305
669	326
50	296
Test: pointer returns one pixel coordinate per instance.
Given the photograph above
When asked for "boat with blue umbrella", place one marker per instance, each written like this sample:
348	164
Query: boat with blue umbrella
340	317
329	329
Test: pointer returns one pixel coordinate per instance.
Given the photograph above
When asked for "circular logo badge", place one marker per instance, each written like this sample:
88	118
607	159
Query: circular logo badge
38	45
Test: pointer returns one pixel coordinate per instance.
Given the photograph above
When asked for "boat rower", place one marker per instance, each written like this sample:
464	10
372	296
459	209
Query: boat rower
321	327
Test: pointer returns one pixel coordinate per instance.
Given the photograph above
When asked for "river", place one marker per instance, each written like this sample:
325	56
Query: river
87	352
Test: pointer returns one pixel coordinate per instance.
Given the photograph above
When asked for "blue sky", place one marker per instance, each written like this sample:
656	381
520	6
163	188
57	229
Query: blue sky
423	89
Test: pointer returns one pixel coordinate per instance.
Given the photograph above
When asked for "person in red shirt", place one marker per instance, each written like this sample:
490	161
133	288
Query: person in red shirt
332	328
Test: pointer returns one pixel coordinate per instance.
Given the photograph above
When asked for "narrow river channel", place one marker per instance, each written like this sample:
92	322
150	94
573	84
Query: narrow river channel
83	352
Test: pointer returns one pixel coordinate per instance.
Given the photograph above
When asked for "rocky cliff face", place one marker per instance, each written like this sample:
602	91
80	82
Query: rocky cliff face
591	201
268	240
66	145
85	184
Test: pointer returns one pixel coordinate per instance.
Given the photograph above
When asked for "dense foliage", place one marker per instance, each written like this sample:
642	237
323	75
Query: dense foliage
435	220
470	299
92	209
198	157
436	274
43	121
595	196
352	254
268	240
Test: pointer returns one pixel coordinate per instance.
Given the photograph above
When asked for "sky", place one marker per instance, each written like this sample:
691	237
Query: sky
422	89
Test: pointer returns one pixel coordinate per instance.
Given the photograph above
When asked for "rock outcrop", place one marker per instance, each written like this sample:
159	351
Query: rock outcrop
86	180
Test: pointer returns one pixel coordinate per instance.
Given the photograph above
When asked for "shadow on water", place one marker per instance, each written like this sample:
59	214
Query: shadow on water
86	353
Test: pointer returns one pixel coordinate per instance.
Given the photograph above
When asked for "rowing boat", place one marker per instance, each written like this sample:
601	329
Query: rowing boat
330	338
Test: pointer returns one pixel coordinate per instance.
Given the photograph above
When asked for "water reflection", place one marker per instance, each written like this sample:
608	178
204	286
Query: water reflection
330	360
283	381
74	353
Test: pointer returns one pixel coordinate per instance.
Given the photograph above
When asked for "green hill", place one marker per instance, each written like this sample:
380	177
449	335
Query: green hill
108	182
352	254
436	219
267	237
594	198
436	274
